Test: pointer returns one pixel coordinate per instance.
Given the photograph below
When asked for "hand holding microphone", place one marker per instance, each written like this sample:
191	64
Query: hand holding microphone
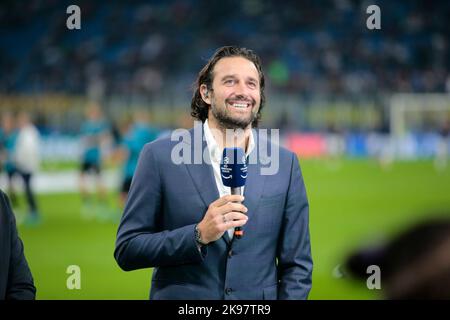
223	214
228	211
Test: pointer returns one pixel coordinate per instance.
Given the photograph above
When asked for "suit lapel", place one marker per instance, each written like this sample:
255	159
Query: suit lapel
203	175
254	187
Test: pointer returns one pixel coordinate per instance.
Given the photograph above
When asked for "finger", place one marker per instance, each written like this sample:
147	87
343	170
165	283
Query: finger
228	198
229	217
235	223
235	216
231	206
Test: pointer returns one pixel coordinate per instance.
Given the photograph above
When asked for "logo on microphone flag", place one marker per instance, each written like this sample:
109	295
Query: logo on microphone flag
233	167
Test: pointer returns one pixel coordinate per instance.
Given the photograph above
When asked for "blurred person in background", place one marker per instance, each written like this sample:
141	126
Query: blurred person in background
123	129
94	135
16	281
335	145
8	143
26	160
2	144
136	133
441	159
413	265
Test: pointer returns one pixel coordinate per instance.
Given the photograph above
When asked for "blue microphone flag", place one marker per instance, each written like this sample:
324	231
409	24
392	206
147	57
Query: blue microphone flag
233	167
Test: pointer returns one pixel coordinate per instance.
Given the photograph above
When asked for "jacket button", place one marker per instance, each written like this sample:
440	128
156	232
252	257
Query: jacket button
228	291
230	253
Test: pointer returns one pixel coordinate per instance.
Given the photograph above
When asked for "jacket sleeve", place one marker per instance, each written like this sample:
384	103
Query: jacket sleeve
20	284
294	249
140	243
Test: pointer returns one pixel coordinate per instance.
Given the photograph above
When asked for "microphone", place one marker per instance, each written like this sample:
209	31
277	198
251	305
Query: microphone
233	170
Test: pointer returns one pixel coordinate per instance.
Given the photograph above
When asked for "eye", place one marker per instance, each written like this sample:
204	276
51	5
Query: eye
252	85
229	82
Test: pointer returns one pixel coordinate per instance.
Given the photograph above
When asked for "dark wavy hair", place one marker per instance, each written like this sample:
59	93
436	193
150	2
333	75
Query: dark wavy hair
199	108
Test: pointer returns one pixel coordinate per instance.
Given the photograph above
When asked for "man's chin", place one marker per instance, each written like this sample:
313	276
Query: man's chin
231	123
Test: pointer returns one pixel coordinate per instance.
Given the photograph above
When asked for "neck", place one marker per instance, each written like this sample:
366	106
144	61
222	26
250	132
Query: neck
236	137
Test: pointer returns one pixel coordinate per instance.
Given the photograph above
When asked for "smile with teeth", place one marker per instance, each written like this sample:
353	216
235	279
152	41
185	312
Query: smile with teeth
240	105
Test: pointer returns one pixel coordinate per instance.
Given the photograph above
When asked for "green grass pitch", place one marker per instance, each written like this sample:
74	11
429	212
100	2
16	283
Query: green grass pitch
352	203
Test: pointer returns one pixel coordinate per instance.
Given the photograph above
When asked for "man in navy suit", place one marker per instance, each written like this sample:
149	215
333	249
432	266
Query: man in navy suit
16	282
179	218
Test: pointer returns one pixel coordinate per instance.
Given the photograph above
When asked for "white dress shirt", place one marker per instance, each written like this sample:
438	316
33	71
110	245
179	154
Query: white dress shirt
215	154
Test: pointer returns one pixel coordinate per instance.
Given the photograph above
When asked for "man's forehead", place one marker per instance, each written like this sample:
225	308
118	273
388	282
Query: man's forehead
235	66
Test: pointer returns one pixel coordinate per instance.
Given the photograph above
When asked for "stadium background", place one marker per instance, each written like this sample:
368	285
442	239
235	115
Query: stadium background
334	90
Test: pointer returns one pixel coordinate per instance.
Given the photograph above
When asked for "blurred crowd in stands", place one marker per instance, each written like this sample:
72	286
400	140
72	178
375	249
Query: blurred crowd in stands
141	47
325	70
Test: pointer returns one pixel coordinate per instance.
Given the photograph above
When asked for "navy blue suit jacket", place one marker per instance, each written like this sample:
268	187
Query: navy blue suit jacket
166	201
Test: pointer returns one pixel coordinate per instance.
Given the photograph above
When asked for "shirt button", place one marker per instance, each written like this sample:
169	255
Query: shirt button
228	291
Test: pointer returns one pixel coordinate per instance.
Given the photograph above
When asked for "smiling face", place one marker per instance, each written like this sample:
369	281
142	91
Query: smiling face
235	97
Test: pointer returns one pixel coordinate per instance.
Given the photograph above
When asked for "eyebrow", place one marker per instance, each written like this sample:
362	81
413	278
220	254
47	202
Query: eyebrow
235	76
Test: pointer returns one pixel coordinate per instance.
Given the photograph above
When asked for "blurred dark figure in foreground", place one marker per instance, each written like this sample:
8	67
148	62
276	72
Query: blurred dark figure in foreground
414	265
16	281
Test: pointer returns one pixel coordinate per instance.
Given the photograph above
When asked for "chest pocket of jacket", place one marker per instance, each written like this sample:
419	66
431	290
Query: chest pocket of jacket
269	212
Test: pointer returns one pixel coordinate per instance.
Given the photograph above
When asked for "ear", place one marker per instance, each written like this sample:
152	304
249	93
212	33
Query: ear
206	95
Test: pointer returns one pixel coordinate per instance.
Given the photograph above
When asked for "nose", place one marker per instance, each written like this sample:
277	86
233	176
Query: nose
241	91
